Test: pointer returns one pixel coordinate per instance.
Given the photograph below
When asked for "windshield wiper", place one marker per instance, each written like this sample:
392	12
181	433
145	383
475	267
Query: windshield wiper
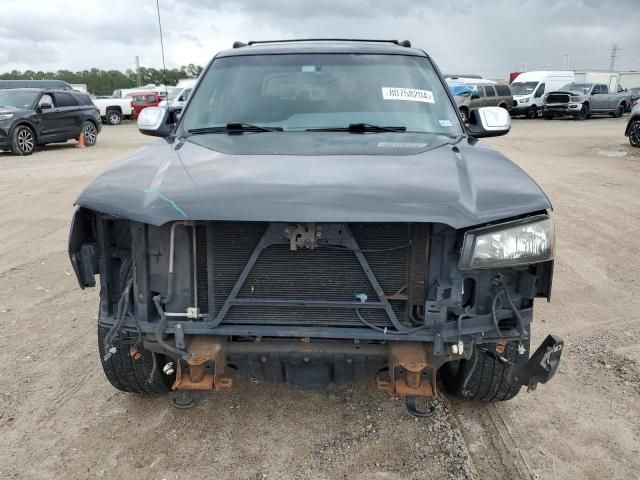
358	128
233	128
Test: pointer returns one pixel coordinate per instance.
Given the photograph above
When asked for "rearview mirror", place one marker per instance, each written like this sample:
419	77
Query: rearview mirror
489	122
154	121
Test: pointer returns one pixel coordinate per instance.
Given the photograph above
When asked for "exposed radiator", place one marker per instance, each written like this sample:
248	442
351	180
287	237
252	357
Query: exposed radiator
328	273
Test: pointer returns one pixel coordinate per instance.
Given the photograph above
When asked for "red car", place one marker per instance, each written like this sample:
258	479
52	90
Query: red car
142	100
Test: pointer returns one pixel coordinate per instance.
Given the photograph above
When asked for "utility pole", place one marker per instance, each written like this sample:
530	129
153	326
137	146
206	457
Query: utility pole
138	68
612	63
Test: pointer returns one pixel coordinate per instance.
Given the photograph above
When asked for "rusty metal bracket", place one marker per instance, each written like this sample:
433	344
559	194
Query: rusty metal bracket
203	371
411	360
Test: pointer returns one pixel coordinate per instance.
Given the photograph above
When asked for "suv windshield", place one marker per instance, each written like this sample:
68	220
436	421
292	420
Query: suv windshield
18	98
523	88
322	91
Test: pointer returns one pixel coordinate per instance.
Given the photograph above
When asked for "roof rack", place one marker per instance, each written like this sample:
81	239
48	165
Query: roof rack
403	43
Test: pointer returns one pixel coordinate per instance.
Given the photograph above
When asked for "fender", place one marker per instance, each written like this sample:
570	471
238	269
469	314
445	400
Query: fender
35	126
83	247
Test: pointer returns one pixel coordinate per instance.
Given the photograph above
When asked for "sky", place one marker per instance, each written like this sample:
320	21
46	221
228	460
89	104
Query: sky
489	37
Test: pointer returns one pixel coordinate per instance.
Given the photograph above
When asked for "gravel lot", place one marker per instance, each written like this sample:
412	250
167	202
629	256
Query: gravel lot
59	417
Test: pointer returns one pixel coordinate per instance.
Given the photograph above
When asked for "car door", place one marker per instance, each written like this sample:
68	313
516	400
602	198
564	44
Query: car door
491	99
71	116
598	101
537	95
51	123
606	97
477	97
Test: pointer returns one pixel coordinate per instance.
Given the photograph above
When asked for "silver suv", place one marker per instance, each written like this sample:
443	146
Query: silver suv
469	96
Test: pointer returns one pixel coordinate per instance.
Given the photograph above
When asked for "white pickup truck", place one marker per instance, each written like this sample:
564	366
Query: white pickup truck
113	110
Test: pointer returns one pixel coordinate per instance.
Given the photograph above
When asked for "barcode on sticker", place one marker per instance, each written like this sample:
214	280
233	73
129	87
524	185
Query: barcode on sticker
410	94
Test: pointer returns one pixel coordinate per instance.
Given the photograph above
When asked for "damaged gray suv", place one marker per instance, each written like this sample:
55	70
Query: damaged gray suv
319	212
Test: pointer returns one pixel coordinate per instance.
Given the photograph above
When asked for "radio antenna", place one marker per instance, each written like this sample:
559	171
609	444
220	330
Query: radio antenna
164	67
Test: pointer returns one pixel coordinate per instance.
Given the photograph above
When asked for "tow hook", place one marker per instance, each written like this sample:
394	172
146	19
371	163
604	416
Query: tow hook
411	376
541	366
202	371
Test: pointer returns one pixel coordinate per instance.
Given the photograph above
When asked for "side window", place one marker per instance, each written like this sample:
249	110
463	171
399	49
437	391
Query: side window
539	91
83	99
503	90
185	95
152	98
604	89
478	91
490	91
596	90
65	100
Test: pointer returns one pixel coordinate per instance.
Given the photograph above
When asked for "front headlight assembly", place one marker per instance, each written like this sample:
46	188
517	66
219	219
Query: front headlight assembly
6	116
521	242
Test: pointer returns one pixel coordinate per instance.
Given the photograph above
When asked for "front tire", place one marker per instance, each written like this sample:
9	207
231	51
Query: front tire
532	112
487	381
127	374
122	371
634	134
584	112
23	140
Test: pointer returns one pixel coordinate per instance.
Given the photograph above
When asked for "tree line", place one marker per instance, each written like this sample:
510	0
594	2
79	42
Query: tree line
104	82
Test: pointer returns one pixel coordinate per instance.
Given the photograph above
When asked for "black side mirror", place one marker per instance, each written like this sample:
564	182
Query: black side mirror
474	96
45	106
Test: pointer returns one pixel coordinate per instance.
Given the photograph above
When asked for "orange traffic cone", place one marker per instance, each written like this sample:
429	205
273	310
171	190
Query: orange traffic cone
80	141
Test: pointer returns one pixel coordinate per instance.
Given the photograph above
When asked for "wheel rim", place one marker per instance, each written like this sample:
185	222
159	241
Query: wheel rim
634	134
90	133
620	111
584	112
25	140
533	111
114	118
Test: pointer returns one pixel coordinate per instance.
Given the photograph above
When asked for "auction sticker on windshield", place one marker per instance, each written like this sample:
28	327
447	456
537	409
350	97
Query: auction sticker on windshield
410	94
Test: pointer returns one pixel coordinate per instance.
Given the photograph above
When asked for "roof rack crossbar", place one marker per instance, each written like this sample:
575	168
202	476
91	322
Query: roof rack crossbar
403	43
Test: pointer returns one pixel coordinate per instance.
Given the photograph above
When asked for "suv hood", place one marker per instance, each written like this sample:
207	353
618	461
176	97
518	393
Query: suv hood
14	110
459	185
578	93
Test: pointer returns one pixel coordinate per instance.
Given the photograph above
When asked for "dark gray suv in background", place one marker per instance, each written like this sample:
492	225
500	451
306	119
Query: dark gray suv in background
34	116
318	213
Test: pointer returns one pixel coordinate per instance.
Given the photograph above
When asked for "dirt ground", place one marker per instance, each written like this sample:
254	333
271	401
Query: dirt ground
60	418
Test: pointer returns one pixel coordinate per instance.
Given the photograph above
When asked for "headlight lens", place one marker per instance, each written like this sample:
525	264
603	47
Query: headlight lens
524	100
575	99
522	242
6	116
